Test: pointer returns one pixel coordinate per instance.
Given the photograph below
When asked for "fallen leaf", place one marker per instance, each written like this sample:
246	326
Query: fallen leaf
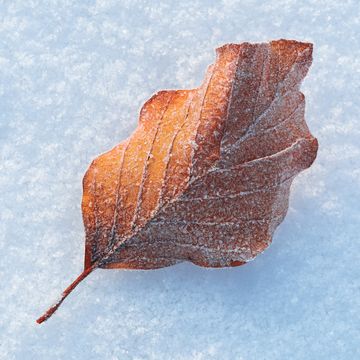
206	175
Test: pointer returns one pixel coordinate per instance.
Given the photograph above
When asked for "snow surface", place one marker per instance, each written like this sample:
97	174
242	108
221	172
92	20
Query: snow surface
73	76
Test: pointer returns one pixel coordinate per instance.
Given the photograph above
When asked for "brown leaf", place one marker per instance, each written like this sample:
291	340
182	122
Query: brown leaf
206	175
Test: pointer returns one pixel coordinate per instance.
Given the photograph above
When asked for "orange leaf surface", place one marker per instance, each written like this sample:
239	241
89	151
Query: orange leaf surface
206	175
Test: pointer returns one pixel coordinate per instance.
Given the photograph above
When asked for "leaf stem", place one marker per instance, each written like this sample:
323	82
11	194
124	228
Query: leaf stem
65	293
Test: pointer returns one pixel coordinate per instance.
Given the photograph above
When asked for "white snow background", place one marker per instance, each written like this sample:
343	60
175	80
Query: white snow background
73	76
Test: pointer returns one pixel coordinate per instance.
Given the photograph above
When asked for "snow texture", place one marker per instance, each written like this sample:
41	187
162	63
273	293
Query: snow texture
73	76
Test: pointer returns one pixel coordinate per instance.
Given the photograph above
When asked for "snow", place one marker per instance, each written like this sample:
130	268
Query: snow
73	76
